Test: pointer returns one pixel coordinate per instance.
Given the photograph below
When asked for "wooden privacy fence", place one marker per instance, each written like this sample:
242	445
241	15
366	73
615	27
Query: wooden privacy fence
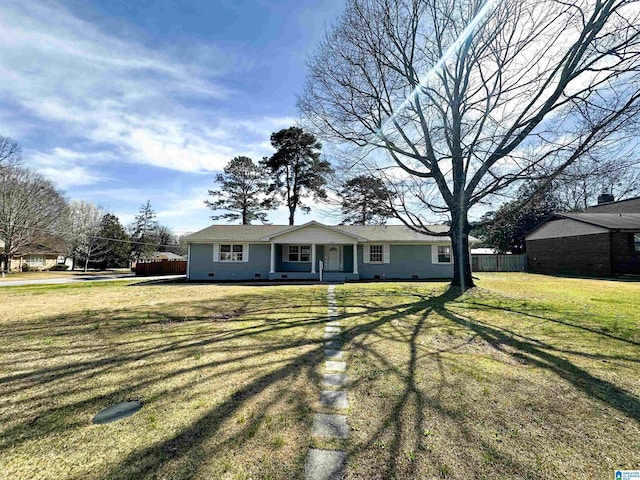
161	268
498	263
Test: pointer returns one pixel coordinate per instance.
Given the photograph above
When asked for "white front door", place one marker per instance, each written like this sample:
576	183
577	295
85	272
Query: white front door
333	258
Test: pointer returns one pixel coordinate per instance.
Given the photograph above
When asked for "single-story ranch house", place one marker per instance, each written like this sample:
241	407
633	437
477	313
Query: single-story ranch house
594	244
344	252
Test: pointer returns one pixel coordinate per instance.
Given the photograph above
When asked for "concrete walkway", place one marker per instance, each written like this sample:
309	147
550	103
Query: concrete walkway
330	464
84	279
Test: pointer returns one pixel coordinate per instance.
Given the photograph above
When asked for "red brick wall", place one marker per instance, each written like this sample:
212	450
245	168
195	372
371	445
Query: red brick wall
579	255
625	258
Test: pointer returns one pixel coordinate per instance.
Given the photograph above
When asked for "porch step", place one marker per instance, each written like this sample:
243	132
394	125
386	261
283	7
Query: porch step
333	277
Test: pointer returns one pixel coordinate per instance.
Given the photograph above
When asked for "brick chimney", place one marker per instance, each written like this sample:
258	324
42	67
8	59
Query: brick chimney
605	198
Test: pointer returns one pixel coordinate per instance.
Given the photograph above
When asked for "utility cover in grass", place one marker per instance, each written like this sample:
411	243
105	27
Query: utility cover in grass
117	412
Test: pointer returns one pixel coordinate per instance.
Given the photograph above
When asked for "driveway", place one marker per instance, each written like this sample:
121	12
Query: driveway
88	278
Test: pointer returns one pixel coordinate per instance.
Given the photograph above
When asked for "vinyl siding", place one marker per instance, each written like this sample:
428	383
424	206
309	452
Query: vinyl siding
406	261
202	265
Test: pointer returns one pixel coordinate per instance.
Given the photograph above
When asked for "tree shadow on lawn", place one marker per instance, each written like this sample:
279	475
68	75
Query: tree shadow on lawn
406	425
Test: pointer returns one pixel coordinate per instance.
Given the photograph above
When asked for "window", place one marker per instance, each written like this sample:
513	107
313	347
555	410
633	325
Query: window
35	260
444	254
375	254
298	253
636	241
231	253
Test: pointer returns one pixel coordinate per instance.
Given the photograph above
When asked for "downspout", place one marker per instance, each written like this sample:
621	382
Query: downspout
189	261
611	264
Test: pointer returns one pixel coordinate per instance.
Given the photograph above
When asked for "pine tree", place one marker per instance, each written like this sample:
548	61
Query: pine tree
365	201
242	193
113	243
296	169
143	233
513	220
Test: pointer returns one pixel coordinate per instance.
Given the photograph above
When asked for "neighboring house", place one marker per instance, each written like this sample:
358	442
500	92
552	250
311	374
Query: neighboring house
167	257
594	244
607	205
345	252
39	258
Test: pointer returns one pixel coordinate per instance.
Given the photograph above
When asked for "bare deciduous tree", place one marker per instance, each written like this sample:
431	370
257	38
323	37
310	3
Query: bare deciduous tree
10	152
456	101
29	206
581	183
80	230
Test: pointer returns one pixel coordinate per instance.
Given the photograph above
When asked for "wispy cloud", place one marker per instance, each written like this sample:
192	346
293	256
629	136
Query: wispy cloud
115	97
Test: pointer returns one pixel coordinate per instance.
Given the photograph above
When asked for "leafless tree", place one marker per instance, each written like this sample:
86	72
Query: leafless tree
582	182
455	101
10	152
80	230
29	206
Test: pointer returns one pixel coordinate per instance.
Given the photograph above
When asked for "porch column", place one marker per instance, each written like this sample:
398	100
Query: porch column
272	268
355	259
313	258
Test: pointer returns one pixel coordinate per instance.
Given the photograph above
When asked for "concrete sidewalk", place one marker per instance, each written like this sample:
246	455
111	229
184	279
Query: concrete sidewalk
88	278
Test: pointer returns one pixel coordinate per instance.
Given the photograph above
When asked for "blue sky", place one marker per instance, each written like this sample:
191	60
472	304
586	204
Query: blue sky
120	101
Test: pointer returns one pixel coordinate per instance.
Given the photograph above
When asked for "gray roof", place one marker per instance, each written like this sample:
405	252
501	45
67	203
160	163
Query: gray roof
612	221
628	205
373	233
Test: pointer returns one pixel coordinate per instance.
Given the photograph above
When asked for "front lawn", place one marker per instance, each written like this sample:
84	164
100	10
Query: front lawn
525	377
226	375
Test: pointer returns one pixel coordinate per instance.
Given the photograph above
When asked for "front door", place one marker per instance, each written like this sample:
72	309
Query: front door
333	258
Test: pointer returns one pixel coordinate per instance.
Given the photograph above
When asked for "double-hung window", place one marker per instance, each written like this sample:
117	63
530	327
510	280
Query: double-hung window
298	253
231	253
375	254
444	254
636	242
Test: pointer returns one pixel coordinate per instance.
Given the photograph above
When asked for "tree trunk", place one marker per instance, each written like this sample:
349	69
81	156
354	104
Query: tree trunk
86	263
460	248
292	213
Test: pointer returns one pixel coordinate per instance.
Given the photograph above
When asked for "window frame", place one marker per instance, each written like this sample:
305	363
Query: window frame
298	254
234	256
449	254
380	253
35	260
636	242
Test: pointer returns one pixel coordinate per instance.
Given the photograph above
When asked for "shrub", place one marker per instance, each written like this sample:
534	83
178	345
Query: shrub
59	268
25	267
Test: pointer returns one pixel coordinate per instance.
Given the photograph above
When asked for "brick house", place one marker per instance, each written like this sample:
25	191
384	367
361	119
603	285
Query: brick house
591	244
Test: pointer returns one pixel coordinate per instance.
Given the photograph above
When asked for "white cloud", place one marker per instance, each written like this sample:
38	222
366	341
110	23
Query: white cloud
77	82
65	167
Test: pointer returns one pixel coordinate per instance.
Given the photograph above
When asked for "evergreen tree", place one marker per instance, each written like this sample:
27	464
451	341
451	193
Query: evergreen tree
113	243
296	169
365	201
242	193
144	233
508	226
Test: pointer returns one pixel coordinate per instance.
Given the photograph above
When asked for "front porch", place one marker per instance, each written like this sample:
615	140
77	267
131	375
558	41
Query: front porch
335	262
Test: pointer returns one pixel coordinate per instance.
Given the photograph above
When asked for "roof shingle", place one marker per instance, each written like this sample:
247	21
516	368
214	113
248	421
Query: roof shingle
373	233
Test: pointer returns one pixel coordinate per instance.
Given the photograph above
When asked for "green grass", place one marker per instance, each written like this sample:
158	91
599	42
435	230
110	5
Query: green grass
225	375
524	377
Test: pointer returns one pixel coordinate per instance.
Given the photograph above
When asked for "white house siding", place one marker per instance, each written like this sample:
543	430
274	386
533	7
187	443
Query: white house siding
313	234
